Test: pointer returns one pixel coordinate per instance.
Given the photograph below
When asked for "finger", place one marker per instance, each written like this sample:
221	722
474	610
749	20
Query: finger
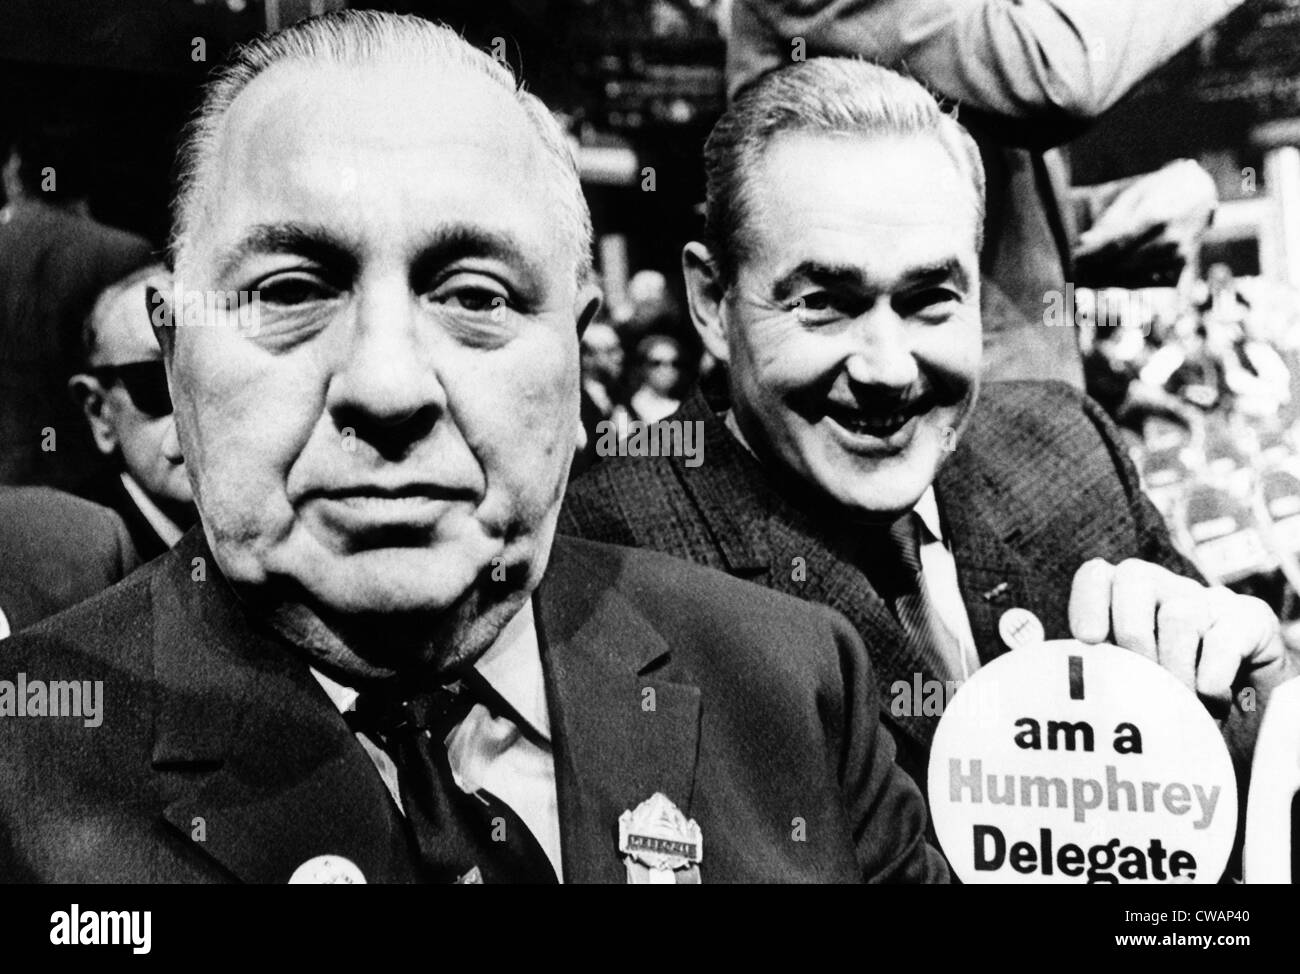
1100	247
1090	595
1179	627
1134	596
1221	655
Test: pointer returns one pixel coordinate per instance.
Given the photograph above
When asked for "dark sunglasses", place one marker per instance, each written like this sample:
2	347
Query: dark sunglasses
144	382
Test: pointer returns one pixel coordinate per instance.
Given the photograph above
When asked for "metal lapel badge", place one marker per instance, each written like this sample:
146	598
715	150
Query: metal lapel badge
660	845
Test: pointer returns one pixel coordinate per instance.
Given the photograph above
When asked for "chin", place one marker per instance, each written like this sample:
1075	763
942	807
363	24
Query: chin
396	581
885	490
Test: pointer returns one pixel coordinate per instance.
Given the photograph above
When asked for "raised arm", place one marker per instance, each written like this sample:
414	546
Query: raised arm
1053	61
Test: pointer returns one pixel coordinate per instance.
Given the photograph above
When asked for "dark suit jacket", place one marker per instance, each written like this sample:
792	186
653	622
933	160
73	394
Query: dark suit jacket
55	551
762	717
1026	77
1039	483
108	491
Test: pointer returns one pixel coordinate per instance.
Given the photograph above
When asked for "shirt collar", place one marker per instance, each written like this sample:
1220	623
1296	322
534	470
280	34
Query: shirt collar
165	527
928	509
512	665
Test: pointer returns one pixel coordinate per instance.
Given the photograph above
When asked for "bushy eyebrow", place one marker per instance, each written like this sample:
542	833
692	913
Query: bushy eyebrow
819	274
462	241
315	243
446	244
851	276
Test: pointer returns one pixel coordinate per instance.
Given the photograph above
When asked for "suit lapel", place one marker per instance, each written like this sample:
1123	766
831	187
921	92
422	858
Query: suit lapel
624	720
272	777
984	528
727	489
768	540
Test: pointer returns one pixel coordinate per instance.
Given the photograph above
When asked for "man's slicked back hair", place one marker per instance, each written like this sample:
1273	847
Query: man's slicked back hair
820	96
357	38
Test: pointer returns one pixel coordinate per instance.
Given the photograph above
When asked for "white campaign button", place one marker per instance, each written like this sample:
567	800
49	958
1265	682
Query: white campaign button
1066	763
328	869
1020	628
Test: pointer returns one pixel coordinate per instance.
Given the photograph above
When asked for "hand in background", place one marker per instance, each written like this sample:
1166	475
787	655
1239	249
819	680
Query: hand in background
1145	235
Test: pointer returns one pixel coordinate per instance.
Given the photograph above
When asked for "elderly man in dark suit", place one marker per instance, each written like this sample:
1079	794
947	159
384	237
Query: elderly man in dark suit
370	662
860	464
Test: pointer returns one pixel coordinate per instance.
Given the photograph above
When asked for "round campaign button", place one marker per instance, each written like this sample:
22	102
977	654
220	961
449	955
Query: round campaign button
328	869
1020	628
1070	763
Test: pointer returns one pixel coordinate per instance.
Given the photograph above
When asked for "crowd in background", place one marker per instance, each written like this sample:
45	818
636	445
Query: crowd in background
1204	381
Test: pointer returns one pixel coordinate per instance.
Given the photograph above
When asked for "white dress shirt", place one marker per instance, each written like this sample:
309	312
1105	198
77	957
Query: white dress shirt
492	752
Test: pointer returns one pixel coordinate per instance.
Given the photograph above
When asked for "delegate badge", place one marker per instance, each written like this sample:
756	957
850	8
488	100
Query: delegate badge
660	845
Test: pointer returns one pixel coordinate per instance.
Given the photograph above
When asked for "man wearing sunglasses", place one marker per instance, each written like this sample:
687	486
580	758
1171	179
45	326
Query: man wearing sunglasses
123	392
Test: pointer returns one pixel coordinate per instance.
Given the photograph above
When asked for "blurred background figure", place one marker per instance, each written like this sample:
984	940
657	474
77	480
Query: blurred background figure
659	371
122	390
1113	375
602	387
54	258
650	309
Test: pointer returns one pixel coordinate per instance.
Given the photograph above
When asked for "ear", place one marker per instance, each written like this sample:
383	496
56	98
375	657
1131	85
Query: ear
704	297
585	306
162	318
90	396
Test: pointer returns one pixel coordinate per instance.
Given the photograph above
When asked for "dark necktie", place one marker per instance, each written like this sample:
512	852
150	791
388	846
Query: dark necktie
456	833
897	577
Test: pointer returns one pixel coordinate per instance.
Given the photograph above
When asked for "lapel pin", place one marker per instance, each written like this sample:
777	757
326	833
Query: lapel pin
660	845
1020	628
328	869
995	592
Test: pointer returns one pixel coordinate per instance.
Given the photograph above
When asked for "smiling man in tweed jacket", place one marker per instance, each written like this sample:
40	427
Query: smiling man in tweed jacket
860	465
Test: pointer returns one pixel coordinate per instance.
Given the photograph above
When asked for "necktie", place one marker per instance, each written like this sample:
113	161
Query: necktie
455	832
897	576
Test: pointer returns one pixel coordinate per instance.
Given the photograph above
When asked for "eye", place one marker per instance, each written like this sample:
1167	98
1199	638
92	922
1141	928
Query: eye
474	294
294	289
815	306
931	299
812	301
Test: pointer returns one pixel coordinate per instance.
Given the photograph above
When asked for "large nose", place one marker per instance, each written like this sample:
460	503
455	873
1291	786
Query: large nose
385	387
880	351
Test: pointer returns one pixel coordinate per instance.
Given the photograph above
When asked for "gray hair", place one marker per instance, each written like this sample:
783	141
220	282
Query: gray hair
357	38
840	96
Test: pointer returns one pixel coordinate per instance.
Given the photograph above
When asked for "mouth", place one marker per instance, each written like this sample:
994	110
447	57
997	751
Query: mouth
890	426
401	513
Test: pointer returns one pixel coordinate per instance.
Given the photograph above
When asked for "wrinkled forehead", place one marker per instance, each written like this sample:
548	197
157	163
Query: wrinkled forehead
882	204
375	151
